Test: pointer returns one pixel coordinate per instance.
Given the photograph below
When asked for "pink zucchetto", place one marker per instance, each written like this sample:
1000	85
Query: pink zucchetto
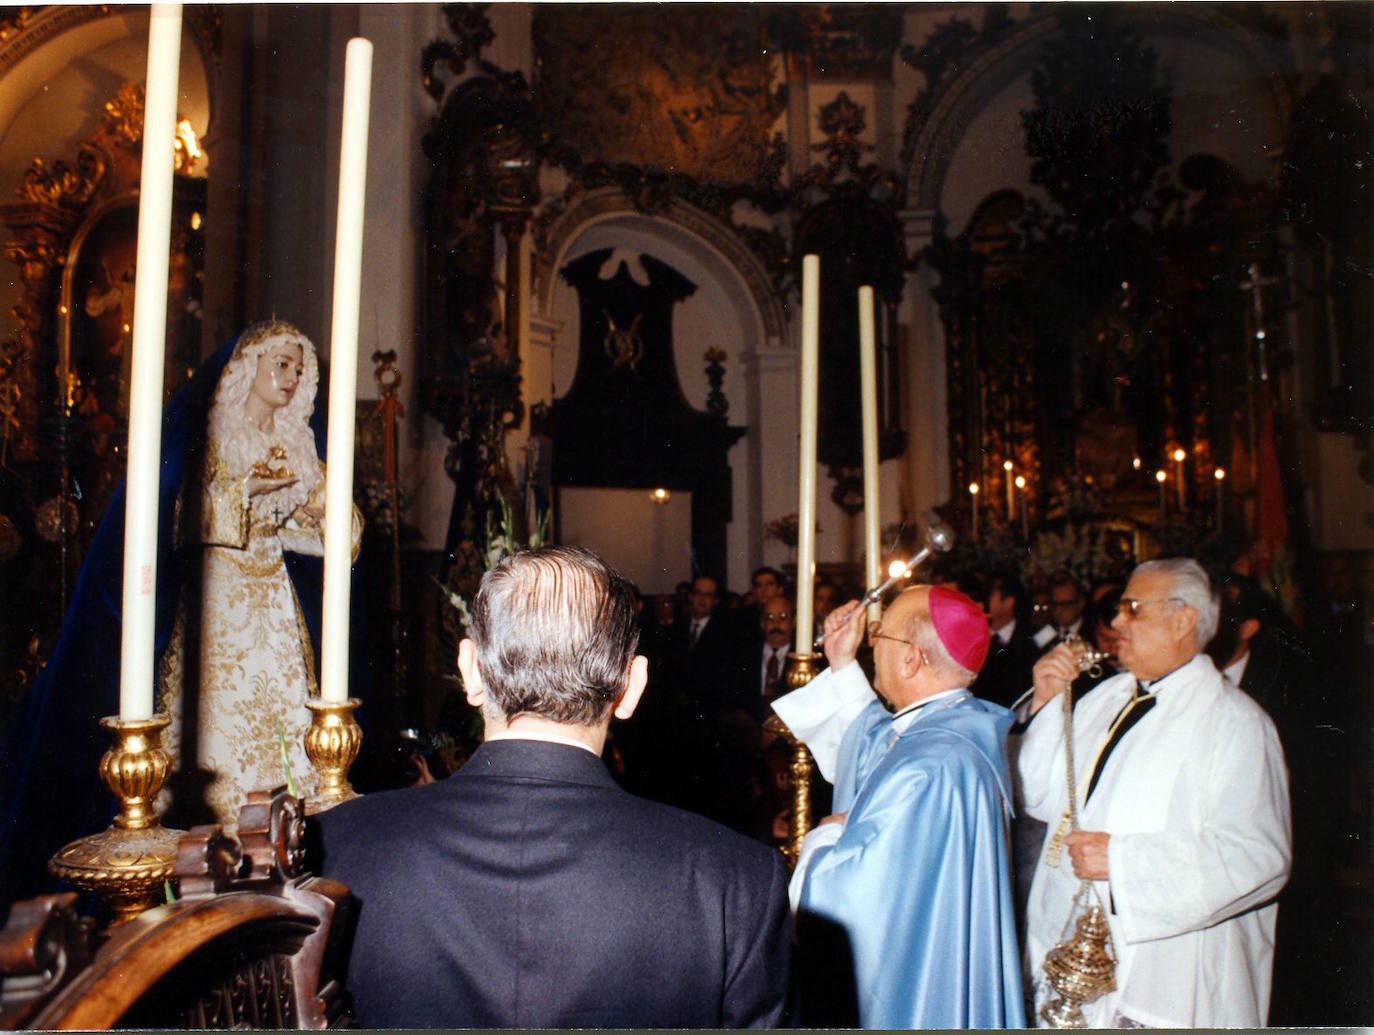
961	625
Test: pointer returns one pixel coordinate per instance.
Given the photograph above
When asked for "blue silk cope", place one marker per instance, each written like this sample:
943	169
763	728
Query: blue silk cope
920	880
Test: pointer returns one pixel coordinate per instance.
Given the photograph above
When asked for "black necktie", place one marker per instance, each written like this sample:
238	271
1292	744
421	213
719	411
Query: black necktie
1135	710
774	676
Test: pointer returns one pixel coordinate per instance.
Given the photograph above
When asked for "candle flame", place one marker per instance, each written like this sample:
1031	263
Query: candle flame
973	488
1179	454
1020	482
1219	474
1160	476
1006	465
897	569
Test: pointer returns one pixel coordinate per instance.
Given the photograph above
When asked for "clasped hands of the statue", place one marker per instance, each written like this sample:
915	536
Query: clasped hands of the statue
308	515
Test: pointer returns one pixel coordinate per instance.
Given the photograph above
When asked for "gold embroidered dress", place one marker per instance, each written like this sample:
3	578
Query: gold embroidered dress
256	664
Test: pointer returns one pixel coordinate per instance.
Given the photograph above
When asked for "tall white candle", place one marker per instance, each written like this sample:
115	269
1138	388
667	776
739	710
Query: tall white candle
868	392
1011	505
973	495
1182	487
343	371
148	350
806	475
1025	521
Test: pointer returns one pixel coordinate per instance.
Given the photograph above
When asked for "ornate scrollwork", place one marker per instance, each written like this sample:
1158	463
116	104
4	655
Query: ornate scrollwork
693	94
839	41
208	861
124	114
272	832
66	183
842	121
948	49
716	403
11	392
472	33
35	251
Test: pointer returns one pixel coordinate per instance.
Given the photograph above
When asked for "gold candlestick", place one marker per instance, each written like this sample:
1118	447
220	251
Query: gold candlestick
331	744
128	864
801	669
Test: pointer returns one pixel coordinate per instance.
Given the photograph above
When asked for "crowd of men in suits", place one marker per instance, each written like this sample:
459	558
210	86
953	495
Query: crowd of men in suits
716	665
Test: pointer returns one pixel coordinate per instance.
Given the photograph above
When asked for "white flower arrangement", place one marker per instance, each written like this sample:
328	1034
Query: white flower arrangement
501	543
1083	553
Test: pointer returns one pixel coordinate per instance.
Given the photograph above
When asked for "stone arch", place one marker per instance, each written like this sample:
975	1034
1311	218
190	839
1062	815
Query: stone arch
738	270
958	102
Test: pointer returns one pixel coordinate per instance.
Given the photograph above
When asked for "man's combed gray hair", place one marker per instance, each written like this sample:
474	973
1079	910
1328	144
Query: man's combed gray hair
1190	585
555	633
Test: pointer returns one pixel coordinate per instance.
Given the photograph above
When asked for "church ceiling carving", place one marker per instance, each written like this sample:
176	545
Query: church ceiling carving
691	95
839	41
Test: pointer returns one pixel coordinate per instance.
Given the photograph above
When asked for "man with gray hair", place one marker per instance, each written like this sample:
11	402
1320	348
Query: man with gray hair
1182	802
528	890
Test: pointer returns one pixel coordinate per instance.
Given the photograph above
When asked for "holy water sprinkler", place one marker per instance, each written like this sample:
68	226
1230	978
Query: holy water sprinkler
938	539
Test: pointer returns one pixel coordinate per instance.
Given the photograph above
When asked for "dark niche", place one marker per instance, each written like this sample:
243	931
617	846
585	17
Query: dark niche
625	422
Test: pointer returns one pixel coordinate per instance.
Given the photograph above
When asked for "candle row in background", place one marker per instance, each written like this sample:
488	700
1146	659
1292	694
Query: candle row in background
1017	484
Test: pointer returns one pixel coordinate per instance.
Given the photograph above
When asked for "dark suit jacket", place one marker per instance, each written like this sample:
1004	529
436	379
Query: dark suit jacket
747	676
1006	674
529	891
709	660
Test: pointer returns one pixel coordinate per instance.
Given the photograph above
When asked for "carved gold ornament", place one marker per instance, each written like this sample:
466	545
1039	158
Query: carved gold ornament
801	669
265	468
624	345
186	151
48	518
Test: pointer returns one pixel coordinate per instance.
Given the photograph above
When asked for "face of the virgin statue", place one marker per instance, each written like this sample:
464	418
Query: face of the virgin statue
279	374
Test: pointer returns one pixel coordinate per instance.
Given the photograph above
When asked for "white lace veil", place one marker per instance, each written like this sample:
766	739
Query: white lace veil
241	444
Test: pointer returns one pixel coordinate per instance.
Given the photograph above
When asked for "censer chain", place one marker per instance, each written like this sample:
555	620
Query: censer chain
1076	976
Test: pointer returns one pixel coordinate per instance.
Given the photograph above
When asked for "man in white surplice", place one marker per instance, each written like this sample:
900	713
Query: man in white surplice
1183	816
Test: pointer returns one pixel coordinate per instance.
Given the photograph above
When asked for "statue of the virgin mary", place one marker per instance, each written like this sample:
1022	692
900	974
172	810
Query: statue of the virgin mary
238	589
261	495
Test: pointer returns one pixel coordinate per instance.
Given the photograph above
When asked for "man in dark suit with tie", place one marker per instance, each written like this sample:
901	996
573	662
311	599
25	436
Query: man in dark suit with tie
1006	673
763	657
528	890
1067	602
704	639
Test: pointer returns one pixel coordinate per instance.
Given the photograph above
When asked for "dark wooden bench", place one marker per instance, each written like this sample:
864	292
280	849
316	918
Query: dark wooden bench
251	941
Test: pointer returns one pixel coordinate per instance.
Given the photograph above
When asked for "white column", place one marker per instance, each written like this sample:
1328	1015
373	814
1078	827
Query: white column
926	416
